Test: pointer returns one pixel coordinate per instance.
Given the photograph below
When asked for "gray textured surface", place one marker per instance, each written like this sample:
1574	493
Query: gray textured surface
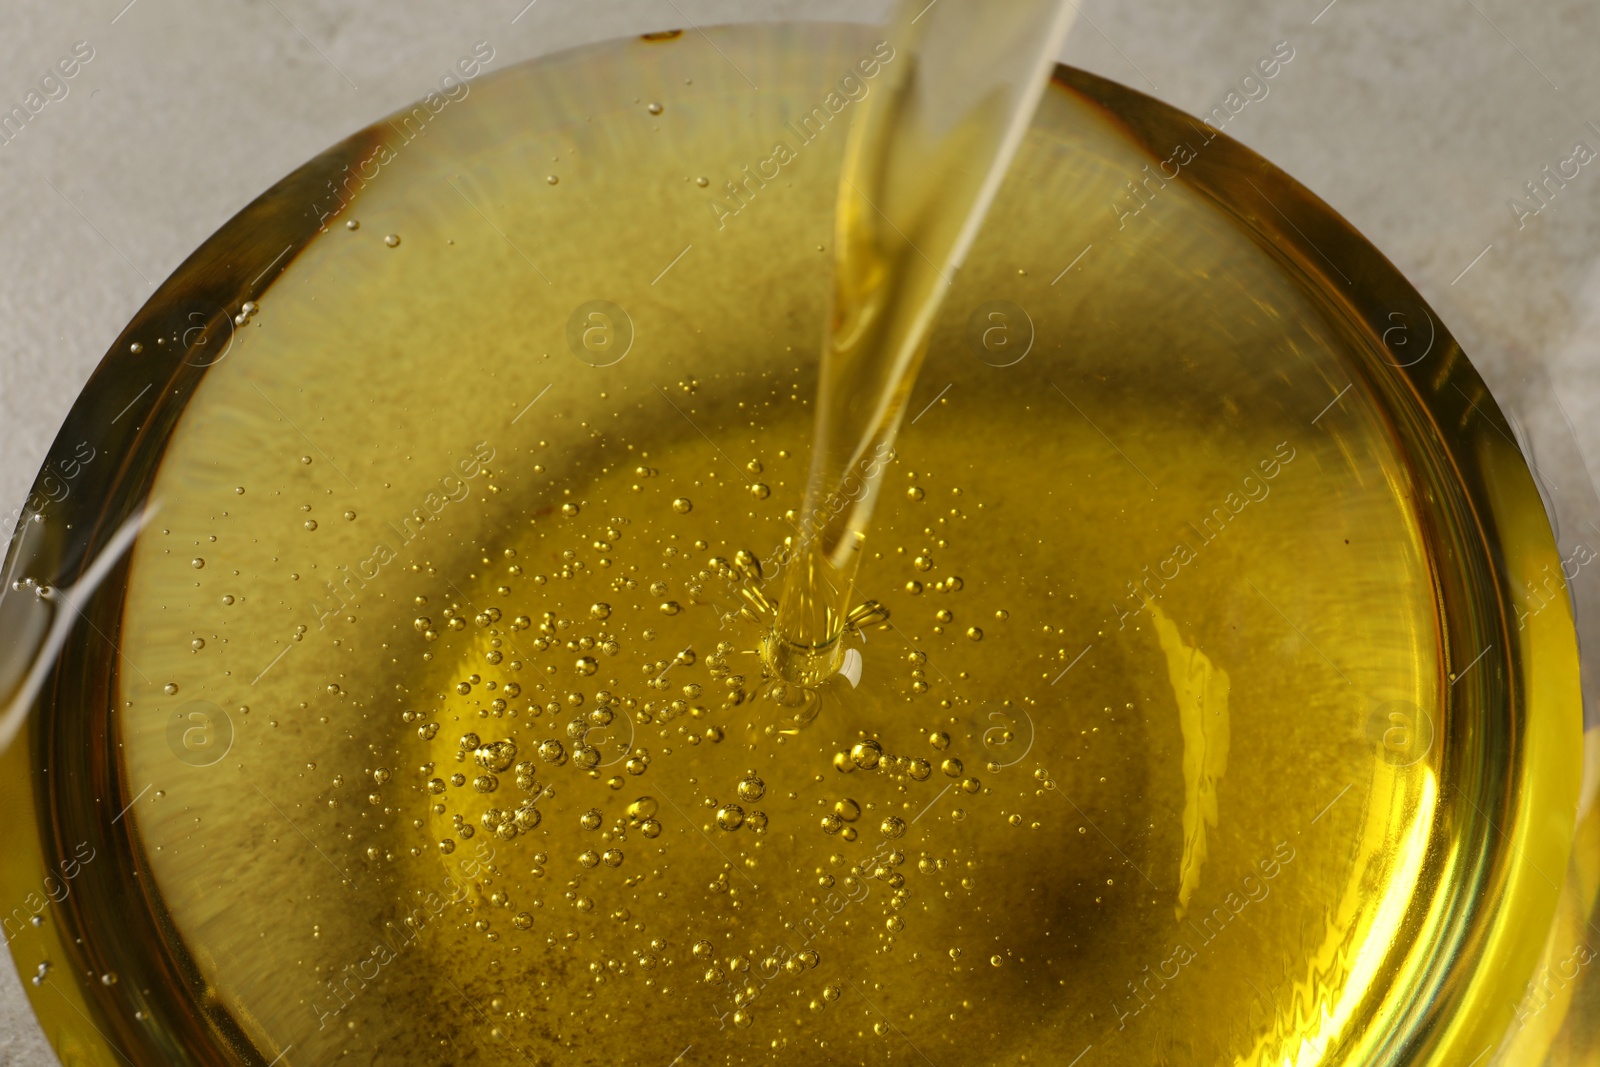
1416	119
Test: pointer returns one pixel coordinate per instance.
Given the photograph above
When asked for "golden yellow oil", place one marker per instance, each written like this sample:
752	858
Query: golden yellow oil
445	732
926	153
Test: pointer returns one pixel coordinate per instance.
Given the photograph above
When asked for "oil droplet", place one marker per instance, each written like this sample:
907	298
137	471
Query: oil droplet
600	611
919	770
197	563
381	775
524	921
975	633
756	821
569	509
552	179
587	665
701	182
589	858
832	824
730	817
611	857
866	754
136	348
915	493
760	491
752	789
349	516
671	607
392	240
171	689
353	224
654	108
955	954
995	961
951	767
893	827
311	524
197	644
683	505
641	810
592	819
847	809
650	828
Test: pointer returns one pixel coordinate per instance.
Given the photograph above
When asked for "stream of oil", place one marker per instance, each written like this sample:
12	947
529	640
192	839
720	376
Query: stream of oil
926	154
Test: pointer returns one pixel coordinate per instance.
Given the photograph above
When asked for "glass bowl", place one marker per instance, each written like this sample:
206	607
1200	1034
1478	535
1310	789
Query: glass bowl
1210	717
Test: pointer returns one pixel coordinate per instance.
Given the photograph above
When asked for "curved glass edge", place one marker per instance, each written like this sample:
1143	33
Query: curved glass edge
70	862
240	261
1535	750
1558	1018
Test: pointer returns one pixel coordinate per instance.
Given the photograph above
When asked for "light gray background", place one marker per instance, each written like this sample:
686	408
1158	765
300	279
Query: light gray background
1416	119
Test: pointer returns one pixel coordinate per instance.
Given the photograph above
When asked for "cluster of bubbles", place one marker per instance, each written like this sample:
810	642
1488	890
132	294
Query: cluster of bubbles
733	816
868	755
562	729
736	970
492	758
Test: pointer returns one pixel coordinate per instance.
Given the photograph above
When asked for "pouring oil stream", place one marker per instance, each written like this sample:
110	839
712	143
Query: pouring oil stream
925	157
